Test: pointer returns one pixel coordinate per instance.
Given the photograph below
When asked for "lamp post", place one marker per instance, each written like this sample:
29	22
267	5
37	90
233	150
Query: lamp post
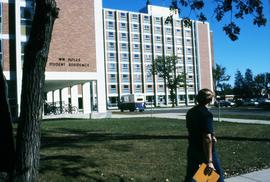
218	100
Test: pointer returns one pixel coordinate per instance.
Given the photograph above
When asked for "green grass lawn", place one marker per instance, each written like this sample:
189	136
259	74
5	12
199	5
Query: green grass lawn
141	149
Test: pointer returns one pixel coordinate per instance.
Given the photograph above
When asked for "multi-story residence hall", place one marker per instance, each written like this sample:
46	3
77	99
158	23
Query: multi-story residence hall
134	39
97	55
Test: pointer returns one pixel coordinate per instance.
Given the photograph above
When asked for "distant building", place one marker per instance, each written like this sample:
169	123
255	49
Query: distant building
134	39
97	55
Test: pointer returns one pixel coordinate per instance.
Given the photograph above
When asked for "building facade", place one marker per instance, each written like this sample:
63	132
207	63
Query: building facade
75	60
134	39
92	70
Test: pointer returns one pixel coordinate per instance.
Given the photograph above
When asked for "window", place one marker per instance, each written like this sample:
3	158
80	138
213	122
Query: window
137	68
169	40
110	25
147	48
189	51
138	89
26	13
179	41
149	88
187	33
111	57
168	31
123	26
123	16
135	27
125	89
125	78
147	38
111	35
149	78
123	37
189	60
111	46
180	60
113	89
190	69
157	20
178	23
158	49
146	29
160	79
169	50
123	47
148	58
112	67
136	58
178	32
109	14
179	50
158	30
26	20
135	17
112	78
136	47
124	57
188	42
124	67
160	88
135	37
137	78
158	39
146	19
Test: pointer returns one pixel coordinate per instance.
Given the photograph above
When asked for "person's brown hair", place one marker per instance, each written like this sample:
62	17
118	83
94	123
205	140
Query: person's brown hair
205	96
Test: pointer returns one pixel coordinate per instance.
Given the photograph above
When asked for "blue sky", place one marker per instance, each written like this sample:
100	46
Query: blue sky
251	50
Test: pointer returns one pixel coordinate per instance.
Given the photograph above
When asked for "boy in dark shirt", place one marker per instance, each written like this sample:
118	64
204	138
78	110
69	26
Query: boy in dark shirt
201	138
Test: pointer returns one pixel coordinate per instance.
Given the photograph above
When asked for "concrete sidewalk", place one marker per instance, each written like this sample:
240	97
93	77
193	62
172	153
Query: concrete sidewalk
258	176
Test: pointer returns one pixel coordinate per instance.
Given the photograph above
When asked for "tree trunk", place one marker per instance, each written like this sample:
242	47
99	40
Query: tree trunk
172	97
36	55
7	148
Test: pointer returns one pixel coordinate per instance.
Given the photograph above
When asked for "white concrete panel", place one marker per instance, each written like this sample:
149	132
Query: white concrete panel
56	96
86	98
74	96
101	84
64	95
50	96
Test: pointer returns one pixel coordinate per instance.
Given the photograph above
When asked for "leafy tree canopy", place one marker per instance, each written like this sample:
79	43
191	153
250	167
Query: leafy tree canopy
235	9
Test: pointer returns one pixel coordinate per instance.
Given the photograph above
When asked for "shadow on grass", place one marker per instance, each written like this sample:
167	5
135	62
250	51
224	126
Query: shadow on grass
70	166
77	138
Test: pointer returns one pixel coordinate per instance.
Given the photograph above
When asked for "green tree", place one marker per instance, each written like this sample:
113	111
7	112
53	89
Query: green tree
249	86
238	84
226	89
219	77
26	165
234	9
166	67
262	84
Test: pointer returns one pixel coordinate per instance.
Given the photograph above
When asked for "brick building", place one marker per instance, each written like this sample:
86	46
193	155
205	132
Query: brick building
97	55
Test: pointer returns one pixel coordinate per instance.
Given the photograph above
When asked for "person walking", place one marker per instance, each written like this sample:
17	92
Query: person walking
201	137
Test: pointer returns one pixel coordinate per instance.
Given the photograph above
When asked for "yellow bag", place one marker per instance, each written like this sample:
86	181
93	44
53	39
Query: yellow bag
200	176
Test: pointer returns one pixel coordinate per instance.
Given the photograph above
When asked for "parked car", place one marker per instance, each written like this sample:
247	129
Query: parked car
224	103
132	102
250	102
263	102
